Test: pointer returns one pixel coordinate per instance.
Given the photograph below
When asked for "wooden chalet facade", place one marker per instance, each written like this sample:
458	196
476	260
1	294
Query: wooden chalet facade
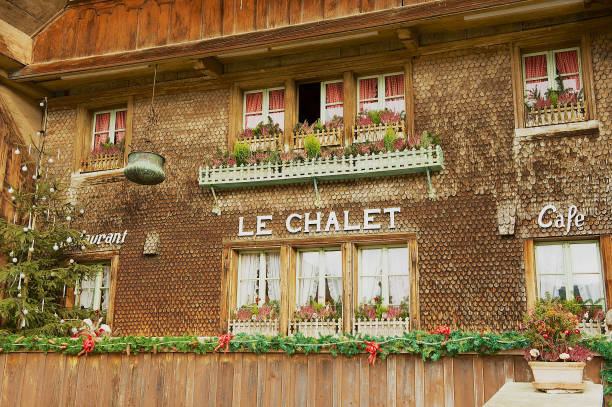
513	202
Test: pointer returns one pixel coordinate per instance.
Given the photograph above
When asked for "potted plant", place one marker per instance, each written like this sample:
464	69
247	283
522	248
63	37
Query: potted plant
375	318
555	353
256	318
314	318
144	166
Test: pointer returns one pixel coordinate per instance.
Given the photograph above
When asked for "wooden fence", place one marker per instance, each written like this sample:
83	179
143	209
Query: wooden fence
247	379
102	162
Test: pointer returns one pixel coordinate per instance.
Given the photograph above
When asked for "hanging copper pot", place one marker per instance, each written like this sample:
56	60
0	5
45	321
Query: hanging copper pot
145	168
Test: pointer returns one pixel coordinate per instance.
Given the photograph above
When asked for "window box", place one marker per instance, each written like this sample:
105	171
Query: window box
559	114
327	138
382	327
269	142
314	328
383	164
102	162
268	328
376	132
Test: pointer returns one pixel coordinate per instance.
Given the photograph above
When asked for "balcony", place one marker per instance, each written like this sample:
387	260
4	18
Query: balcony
382	164
102	162
562	113
376	132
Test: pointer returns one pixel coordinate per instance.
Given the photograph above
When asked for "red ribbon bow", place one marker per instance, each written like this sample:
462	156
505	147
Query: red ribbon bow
442	330
88	345
372	348
224	341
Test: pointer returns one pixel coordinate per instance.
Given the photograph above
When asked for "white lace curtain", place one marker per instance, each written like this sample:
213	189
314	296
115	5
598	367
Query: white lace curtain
371	265
273	277
308	277
249	267
333	273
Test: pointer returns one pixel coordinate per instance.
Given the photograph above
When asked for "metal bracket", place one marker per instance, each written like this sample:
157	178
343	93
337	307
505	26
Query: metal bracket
217	209
431	192
318	198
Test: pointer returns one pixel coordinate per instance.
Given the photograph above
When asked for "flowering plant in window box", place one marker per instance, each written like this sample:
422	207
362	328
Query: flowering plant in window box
314	318
328	134
266	135
373	124
590	314
256	318
555	354
376	318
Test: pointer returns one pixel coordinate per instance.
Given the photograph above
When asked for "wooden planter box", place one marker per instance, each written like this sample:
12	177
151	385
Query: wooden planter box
268	328
327	138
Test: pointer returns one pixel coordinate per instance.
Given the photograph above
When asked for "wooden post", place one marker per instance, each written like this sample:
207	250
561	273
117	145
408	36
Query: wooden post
517	86
409	99
413	255
587	76
347	287
291	281
530	272
290	113
235	116
605	243
350	105
129	123
224	308
114	266
284	290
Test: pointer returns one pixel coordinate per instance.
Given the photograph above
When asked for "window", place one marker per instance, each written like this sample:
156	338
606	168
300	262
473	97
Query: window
551	69
93	293
319	276
109	129
320	100
381	92
383	273
259	277
261	104
569	270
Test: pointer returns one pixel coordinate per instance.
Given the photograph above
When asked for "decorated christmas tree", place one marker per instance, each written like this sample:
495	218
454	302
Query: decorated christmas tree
37	245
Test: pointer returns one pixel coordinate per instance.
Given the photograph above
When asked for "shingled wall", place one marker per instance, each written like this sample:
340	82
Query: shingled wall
470	276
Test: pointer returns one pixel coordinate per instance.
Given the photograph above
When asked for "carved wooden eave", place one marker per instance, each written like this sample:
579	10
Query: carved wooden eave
386	20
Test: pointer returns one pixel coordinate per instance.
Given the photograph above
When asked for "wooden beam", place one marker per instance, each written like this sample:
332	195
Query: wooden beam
15	44
409	38
209	66
285	312
291	112
347	287
235	116
30	90
516	69
114	268
530	272
587	75
605	246
386	19
349	84
413	259
409	96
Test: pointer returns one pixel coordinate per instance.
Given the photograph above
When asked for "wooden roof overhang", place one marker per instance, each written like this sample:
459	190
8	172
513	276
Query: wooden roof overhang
265	41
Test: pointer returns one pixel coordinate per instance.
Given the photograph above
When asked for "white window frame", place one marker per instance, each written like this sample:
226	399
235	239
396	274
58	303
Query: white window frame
568	271
262	280
111	125
551	68
385	274
320	271
381	98
265	103
98	288
324	103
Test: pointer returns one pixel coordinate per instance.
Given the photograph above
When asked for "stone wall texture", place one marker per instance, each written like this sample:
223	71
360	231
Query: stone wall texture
470	276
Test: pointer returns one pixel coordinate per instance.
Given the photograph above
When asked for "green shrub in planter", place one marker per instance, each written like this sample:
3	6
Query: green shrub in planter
242	151
389	138
312	146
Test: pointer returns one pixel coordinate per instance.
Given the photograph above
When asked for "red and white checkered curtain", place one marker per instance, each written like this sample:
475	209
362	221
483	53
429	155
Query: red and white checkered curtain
535	66
368	89
334	100
120	122
567	63
102	127
394	85
254	107
277	99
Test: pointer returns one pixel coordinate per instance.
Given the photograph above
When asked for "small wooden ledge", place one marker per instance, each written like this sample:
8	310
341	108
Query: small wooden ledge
524	394
558	130
96	178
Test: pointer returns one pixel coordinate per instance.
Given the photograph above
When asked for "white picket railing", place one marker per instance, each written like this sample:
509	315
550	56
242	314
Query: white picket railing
391	163
382	327
314	328
266	327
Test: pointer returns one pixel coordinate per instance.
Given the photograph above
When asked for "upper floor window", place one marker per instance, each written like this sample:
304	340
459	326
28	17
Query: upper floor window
381	92
569	270
319	276
259	278
93	293
109	131
553	71
383	275
264	103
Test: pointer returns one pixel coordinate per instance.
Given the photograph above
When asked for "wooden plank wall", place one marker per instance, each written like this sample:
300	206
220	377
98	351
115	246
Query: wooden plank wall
246	379
103	27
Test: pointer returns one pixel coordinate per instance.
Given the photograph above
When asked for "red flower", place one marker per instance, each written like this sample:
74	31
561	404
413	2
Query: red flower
566	332
577	331
375	299
257	300
545	336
